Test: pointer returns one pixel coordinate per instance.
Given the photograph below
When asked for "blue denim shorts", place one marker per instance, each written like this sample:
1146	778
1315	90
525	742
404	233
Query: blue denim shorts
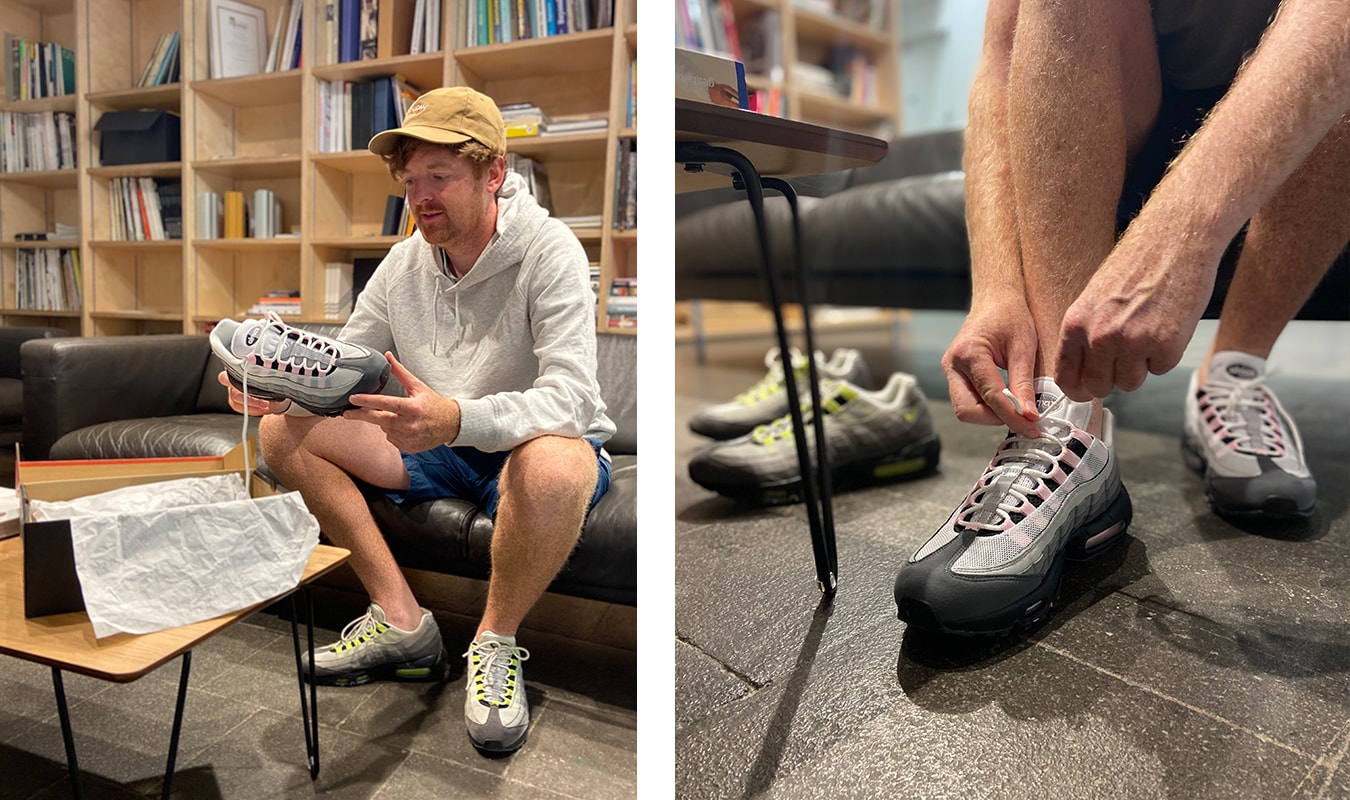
471	474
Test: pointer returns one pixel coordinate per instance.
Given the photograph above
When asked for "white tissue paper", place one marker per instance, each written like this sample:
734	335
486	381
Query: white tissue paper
172	553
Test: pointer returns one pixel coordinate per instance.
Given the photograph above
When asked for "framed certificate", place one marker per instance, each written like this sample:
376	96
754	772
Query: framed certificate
238	38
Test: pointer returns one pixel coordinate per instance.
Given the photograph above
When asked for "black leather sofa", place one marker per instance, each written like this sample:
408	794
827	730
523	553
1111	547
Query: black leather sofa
11	378
892	235
157	396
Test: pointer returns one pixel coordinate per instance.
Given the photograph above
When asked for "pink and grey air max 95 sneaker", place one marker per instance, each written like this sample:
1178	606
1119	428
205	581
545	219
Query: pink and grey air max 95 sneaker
273	360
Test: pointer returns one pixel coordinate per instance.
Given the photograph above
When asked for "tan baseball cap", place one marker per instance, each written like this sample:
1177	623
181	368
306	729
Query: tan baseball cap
451	115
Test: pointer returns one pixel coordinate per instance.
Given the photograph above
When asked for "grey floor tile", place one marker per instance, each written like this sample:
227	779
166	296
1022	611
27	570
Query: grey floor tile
581	751
1204	657
426	777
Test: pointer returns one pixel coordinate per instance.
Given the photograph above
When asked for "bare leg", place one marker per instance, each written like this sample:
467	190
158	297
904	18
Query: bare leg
1084	91
546	488
317	456
1291	242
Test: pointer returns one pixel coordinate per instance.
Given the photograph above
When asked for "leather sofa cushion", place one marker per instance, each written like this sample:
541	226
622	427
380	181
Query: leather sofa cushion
11	400
181	435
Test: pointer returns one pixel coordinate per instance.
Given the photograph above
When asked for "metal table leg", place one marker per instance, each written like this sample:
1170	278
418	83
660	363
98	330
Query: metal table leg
819	514
309	707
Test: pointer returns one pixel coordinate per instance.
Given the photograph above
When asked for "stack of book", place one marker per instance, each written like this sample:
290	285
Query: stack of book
621	309
285	302
523	119
162	66
337	283
47	280
145	209
574	123
37	141
284	51
37	69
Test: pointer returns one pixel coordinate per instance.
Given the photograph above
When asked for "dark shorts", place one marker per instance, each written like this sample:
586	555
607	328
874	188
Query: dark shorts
471	474
1201	43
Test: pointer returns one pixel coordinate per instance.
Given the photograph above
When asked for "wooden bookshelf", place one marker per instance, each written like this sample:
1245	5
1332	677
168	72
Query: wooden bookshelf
261	132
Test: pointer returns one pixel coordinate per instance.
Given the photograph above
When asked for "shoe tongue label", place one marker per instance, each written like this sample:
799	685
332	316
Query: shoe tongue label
252	337
1043	401
1243	372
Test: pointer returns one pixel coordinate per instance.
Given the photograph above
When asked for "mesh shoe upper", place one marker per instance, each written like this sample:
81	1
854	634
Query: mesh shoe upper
285	362
1239	435
496	711
860	425
369	648
1036	498
767	399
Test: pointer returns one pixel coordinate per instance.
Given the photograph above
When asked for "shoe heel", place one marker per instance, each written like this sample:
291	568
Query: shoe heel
1102	532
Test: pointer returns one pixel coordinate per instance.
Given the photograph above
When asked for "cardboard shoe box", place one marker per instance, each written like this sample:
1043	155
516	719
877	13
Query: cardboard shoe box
50	583
143	136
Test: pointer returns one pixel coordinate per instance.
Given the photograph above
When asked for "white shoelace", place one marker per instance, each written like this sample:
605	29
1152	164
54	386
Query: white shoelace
1234	405
1022	465
494	682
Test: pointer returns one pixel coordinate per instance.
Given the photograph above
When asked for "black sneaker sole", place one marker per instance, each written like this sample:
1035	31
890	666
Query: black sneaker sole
422	670
331	410
918	459
1089	541
1272	507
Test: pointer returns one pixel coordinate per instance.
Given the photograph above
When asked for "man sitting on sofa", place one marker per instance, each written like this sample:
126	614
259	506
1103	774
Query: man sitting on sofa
1065	98
487	317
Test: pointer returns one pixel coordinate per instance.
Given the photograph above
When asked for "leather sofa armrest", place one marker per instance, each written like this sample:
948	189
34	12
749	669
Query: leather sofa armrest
12	338
73	382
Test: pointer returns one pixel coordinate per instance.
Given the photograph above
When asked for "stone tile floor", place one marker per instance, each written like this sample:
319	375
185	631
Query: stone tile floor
1202	658
242	735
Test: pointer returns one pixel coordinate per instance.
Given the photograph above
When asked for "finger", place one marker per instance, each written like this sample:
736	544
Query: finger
966	402
1021	370
379	402
1130	374
989	385
410	381
1069	364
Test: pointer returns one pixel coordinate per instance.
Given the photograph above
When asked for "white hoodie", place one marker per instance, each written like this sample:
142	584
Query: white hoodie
513	341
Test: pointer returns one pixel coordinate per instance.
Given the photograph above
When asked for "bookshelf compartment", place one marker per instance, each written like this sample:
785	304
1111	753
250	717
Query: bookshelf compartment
256	117
230	281
122	37
136	280
350	204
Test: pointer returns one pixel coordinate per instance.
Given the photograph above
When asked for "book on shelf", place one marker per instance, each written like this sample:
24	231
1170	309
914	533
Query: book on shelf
37	69
368	43
264	214
238	38
36	141
47	280
709	78
337	282
499	21
210	212
349	30
393	215
362	268
574	123
234	215
536	178
625	185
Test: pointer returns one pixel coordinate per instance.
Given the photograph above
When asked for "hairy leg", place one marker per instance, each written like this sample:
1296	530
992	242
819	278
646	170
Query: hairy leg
318	456
546	488
1291	243
1084	90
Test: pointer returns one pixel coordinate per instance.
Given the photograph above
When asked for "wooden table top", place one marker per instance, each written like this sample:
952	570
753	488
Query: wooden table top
67	640
777	147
